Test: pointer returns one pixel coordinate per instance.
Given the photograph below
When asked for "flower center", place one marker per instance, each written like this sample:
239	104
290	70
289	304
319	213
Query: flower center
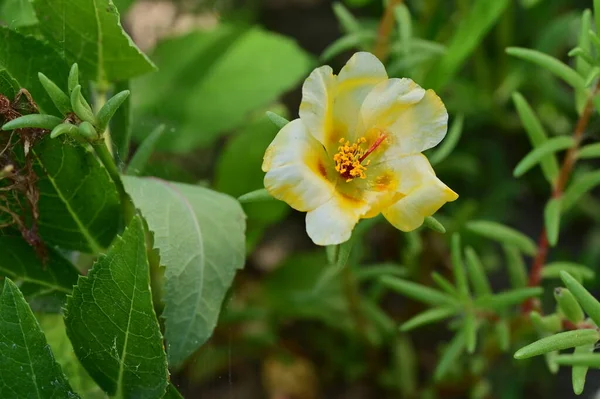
349	161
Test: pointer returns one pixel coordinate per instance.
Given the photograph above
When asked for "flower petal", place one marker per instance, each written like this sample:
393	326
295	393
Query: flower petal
421	192
414	119
298	168
356	79
331	104
332	222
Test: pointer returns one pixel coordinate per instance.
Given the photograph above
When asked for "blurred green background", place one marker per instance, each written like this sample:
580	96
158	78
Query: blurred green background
223	64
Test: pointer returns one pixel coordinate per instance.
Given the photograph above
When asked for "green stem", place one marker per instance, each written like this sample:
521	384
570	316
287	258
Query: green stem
109	163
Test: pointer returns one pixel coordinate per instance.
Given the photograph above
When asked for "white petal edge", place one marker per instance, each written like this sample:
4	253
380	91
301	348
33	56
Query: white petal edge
316	108
294	163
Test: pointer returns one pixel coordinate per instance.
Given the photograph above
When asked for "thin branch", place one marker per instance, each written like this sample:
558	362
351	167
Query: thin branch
386	26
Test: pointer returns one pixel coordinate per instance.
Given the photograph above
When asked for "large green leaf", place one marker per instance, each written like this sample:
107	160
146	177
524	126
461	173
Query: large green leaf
200	236
17	13
56	334
111	322
27	366
8	85
19	261
24	56
79	204
209	82
89	32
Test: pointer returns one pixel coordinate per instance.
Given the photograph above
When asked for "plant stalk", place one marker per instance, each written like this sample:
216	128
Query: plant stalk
535	275
386	27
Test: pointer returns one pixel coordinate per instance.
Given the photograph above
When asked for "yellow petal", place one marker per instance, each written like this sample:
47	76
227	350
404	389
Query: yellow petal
297	168
414	119
421	192
332	222
331	104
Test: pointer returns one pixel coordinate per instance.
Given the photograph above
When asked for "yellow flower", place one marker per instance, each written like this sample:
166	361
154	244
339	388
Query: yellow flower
356	149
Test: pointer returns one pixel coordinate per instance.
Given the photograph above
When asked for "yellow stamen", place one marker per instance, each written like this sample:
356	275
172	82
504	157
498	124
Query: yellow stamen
348	160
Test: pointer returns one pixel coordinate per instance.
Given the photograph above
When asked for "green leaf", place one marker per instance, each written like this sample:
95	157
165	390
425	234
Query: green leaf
278	120
255	196
418	292
348	22
56	334
579	188
477	274
551	64
142	155
504	234
536	133
552	220
452	354
89	32
19	261
207	72
444	284
556	342
429	316
582	66
28	368
79	205
200	236
506	299
470	328
434	224
589	151
367	272
473	28
552	270
502	329
546	324
586	360
346	43
15	56
585	299
404	23
578	373
39	121
59	98
517	272
81	107
568	305
109	109
344	250
111	322
450	141
120	125
458	267
541	152
172	392
17	14
8	85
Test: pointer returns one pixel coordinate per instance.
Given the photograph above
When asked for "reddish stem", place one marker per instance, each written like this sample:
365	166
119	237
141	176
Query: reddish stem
535	275
382	45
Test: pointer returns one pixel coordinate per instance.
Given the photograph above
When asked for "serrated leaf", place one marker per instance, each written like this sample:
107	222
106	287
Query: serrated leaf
503	234
480	18
200	236
79	205
27	366
19	261
517	272
8	85
536	133
449	142
111	323
585	299
557	342
15	56
417	291
477	275
205	71
589	151
56	334
541	152
89	32
172	393
551	64
506	299
552	270
579	188
552	220
429	316
451	354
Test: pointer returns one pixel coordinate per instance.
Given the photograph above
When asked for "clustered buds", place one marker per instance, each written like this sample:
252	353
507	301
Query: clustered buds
78	119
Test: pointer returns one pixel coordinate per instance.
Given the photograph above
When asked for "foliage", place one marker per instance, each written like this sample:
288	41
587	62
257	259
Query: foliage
141	257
